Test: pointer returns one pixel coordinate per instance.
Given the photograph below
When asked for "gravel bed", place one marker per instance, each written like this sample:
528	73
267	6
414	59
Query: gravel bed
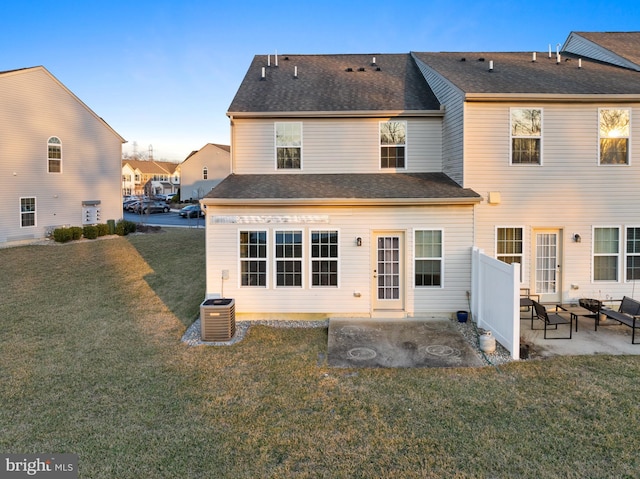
467	330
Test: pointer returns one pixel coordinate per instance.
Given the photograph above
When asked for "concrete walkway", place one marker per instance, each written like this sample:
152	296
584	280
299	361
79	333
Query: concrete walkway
406	343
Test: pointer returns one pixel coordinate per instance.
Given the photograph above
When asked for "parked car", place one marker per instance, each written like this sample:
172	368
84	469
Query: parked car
151	207
128	204
191	211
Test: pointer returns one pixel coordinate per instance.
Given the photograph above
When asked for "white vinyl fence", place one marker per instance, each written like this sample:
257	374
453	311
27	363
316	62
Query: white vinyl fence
495	299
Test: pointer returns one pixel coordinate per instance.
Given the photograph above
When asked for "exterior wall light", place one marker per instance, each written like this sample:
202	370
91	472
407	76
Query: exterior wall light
358	241
577	238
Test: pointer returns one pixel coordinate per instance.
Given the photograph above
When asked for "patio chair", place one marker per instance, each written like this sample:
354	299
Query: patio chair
553	319
526	301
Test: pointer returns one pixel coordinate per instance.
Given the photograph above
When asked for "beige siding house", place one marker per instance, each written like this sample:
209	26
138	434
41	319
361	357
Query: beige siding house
203	169
60	161
360	183
548	141
337	203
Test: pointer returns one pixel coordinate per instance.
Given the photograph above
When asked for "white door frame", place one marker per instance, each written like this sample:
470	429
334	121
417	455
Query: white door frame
388	272
546	264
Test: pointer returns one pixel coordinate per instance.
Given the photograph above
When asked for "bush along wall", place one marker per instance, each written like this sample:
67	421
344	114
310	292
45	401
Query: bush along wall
64	234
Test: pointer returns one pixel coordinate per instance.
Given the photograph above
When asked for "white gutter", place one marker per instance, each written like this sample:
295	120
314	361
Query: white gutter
338	114
551	97
339	201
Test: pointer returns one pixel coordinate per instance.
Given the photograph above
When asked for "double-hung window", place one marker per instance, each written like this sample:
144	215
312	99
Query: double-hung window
54	155
288	258
606	252
428	258
288	145
393	144
633	254
509	246
253	258
324	258
27	212
614	136
526	136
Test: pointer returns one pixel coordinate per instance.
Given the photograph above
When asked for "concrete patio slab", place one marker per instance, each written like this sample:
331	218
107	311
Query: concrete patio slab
398	343
610	338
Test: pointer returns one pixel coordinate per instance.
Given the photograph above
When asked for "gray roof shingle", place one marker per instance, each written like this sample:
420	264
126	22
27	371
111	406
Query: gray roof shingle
623	44
515	72
417	186
324	84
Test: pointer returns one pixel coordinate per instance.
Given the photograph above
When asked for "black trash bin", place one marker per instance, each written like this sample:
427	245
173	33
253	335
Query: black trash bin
218	319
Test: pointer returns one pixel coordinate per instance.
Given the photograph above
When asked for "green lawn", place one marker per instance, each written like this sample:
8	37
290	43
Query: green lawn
91	363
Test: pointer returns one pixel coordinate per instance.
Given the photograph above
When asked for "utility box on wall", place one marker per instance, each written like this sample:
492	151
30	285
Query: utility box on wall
91	212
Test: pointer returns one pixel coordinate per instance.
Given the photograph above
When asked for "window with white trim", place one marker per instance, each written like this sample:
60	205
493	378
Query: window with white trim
27	212
54	155
393	144
606	253
633	254
614	136
253	258
510	246
526	136
324	258
428	258
288	258
288	145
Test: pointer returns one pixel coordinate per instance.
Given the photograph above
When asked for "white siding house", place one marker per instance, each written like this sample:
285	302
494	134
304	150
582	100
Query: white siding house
337	203
60	161
202	170
529	156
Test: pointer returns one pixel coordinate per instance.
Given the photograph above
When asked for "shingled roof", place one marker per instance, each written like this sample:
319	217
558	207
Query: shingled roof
333	83
409	187
516	72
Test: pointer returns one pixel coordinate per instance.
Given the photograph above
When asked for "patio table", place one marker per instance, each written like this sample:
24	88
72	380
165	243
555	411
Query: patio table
577	310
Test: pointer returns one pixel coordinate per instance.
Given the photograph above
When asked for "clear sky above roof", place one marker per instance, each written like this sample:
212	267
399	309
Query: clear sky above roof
164	72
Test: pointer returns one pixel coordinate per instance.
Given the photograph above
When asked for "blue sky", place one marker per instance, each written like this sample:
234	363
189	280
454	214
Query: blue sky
164	72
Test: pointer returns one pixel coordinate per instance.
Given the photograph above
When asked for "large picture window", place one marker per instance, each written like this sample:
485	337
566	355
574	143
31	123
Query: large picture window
324	258
633	254
393	143
526	136
54	155
606	251
289	145
509	246
428	258
614	137
253	258
289	258
27	212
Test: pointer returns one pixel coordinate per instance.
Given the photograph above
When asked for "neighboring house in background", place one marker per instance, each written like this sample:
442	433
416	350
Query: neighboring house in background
59	160
203	169
149	177
360	183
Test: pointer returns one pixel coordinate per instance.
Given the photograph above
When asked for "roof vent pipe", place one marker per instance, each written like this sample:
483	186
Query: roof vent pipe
490	65
269	60
579	62
549	50
557	49
558	58
374	61
533	58
263	73
276	57
295	72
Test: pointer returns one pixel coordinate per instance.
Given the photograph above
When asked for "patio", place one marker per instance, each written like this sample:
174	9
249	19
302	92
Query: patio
610	338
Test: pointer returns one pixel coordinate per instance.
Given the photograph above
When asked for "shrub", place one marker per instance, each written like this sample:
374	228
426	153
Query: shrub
76	232
124	227
90	232
62	235
103	229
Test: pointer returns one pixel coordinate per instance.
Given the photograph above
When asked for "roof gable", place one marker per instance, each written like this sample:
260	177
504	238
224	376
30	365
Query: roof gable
333	83
617	48
23	71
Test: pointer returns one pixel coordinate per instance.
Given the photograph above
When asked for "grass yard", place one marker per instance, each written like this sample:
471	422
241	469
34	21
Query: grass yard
91	363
